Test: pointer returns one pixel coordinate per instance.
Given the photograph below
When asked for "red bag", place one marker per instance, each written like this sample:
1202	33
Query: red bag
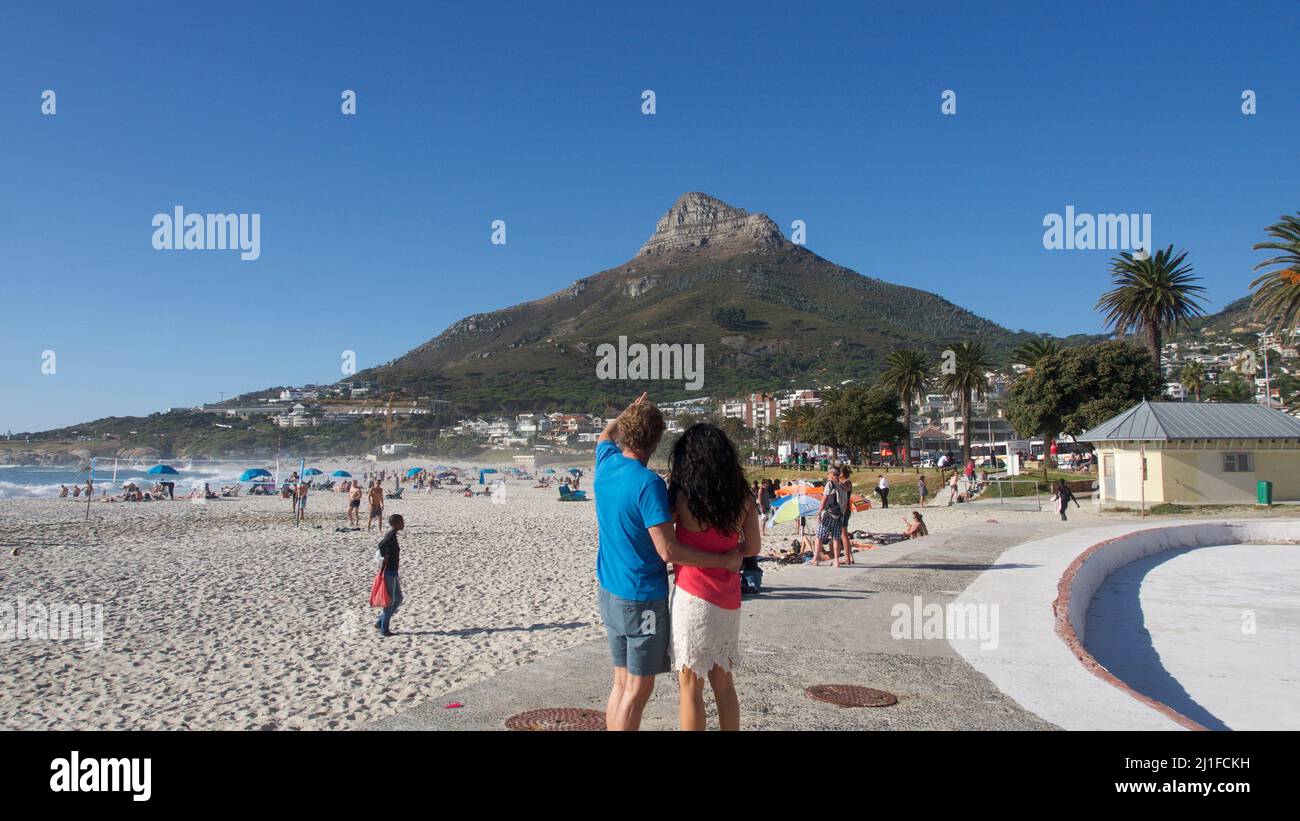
379	590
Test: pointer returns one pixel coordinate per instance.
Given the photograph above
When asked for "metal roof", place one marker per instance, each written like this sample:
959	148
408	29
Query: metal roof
1195	420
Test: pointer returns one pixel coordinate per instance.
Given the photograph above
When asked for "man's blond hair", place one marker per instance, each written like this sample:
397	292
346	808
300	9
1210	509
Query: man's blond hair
641	427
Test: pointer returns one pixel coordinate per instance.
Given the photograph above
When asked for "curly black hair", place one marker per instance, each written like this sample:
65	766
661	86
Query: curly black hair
705	467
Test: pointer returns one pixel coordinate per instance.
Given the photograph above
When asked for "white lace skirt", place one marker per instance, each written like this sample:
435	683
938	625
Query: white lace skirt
704	634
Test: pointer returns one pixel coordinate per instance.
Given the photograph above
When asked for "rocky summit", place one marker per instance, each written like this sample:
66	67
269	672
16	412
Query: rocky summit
698	221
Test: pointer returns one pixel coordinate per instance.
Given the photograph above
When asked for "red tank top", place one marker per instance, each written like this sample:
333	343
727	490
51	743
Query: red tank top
713	584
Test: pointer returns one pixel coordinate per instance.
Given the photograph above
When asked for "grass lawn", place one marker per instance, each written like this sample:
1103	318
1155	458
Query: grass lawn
903	481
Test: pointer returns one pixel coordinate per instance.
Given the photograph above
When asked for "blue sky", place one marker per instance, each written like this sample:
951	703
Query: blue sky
376	228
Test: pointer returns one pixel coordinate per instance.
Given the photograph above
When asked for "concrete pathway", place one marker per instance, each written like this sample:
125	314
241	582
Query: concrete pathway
812	625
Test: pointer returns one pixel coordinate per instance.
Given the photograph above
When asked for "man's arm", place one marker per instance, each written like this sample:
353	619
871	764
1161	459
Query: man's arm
670	550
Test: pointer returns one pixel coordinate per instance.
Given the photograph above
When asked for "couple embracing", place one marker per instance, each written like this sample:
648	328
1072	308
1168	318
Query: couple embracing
702	523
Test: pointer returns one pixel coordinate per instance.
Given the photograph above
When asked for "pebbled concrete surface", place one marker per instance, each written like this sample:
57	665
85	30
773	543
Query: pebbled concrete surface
811	625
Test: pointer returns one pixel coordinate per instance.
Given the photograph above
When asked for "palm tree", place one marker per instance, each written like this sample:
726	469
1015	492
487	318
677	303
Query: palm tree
1035	351
1233	389
1192	377
1277	293
795	421
1151	296
907	373
966	381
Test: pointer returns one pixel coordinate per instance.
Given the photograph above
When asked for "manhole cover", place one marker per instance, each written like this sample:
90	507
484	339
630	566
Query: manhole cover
557	718
851	695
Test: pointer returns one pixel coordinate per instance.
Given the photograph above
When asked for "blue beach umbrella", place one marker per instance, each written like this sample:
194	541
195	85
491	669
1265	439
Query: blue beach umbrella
253	473
549	470
412	472
804	505
341	474
312	472
162	470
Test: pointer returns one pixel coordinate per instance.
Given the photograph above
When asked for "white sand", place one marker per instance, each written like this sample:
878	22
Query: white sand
224	615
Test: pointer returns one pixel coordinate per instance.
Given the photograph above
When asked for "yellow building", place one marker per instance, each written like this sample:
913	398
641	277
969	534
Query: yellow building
1196	453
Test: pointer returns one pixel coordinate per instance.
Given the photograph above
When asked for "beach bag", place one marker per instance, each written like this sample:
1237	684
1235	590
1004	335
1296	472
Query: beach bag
379	590
751	577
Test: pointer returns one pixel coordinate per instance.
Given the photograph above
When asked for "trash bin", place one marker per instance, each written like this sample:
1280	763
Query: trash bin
1264	493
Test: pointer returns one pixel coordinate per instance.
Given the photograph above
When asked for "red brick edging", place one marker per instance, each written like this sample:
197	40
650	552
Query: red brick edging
1064	629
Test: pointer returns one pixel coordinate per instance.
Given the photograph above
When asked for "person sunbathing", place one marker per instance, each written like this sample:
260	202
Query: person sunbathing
916	528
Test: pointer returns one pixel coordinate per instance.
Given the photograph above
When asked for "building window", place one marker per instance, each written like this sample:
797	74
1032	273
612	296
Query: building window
1238	463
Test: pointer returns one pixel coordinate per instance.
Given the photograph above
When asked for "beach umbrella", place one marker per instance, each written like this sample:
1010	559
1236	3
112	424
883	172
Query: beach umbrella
574	471
446	474
253	473
412	472
341	474
162	470
801	486
313	472
549	470
796	506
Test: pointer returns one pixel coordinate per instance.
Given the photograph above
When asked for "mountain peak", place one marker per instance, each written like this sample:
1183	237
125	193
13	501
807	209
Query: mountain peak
697	220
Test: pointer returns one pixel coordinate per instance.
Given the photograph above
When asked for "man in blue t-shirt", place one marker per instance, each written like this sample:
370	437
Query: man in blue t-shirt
635	525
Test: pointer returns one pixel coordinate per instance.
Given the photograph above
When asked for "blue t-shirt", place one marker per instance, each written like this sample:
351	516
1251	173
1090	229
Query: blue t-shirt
629	499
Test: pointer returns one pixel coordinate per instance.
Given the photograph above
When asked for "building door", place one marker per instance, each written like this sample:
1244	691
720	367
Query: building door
1108	477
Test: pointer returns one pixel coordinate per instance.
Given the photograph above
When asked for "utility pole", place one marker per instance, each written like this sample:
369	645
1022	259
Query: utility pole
1268	384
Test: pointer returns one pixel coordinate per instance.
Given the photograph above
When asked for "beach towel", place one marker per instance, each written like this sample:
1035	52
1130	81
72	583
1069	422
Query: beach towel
379	596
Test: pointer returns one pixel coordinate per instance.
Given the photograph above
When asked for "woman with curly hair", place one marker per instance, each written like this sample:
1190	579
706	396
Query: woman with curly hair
713	508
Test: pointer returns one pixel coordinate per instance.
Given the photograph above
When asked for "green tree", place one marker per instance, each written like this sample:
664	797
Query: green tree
1192	378
794	423
907	373
856	419
1276	301
1152	296
1079	388
1034	351
1233	389
965	381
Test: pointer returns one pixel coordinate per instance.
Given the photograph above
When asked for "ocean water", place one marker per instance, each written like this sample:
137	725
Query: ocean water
21	481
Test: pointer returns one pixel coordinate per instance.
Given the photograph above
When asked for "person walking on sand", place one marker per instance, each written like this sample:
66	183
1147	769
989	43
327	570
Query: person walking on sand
1064	496
882	487
391	553
354	505
376	496
952	488
921	490
712	508
634	523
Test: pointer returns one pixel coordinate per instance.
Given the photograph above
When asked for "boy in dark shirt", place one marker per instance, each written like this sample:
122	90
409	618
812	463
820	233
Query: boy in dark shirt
392	553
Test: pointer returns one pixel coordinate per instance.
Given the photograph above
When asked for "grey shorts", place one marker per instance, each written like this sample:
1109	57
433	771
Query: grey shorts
639	633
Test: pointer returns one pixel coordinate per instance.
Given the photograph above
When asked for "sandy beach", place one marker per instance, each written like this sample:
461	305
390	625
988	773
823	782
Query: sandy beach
224	615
